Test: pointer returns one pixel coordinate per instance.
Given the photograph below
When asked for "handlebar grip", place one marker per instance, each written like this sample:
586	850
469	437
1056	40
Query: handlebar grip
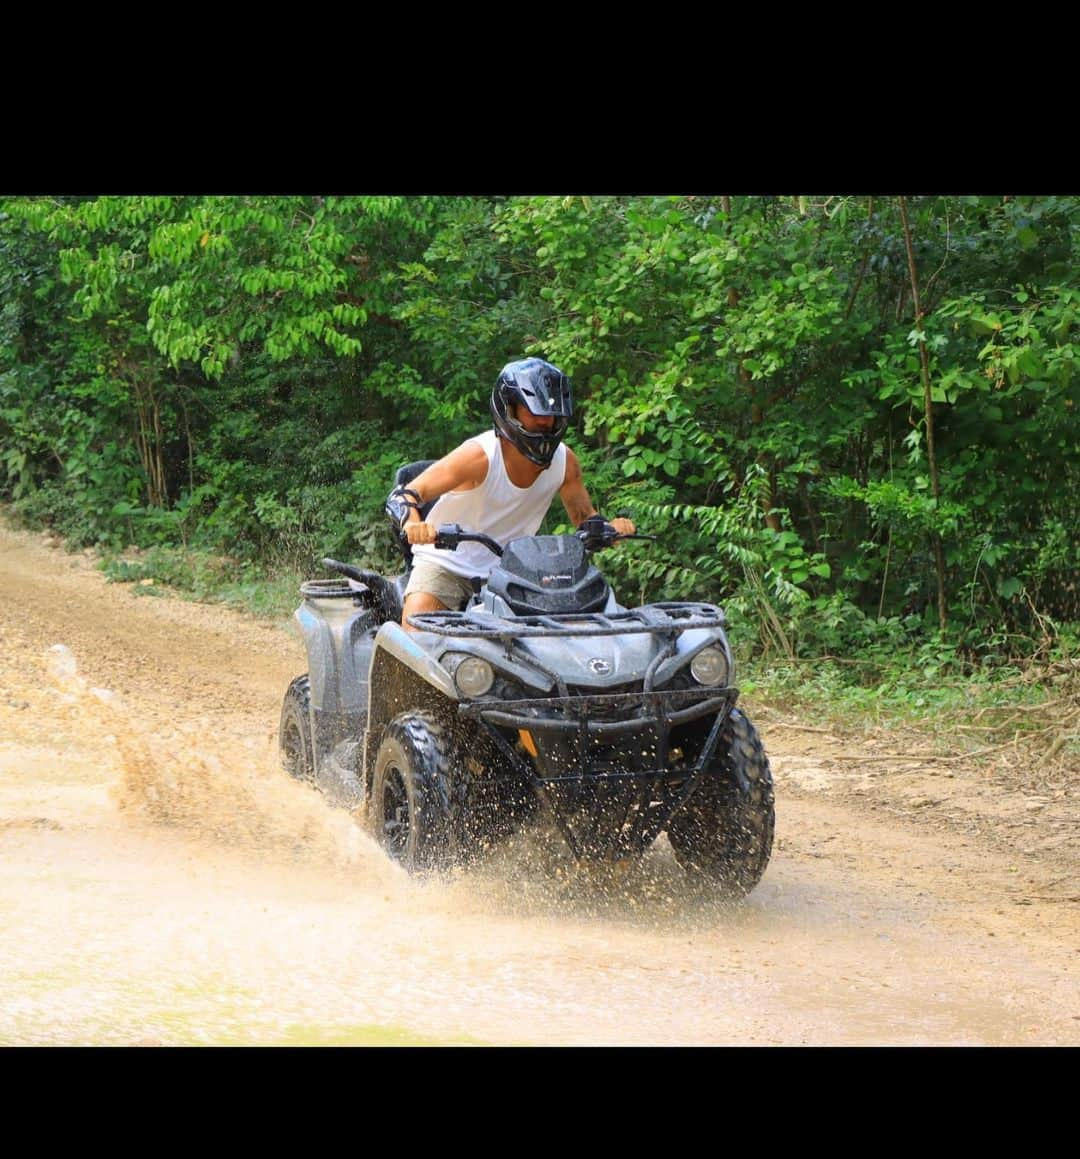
448	536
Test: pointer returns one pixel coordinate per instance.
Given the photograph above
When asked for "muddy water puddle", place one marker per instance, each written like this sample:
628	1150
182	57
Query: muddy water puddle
162	882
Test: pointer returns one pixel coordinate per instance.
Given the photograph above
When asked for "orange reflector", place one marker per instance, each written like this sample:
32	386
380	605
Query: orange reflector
527	741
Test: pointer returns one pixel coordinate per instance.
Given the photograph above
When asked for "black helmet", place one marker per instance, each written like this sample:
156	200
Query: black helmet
545	390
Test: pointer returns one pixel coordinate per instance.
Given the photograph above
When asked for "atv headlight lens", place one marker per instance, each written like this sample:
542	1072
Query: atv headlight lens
474	676
709	666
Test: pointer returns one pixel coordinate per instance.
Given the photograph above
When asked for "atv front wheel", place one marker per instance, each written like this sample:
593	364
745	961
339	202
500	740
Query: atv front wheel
410	799
724	833
294	734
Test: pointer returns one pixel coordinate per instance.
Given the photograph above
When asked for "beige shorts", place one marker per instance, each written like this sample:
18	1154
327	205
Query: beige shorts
452	591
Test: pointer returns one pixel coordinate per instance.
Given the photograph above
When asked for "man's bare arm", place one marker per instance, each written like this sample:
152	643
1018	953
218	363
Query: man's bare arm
461	470
576	499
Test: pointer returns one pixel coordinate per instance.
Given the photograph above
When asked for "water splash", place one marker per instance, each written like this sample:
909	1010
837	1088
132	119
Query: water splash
209	777
200	776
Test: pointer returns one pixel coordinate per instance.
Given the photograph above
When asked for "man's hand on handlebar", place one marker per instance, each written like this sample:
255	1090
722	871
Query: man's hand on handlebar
596	532
418	532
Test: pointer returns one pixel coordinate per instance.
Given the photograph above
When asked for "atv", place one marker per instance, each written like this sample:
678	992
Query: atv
543	693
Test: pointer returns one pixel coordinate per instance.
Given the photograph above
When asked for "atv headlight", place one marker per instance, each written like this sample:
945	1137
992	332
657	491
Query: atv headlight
474	676
709	666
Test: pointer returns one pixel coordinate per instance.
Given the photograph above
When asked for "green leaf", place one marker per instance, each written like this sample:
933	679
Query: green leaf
1027	237
1030	363
985	323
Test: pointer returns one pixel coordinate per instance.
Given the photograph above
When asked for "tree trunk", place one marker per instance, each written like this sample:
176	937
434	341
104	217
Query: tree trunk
149	441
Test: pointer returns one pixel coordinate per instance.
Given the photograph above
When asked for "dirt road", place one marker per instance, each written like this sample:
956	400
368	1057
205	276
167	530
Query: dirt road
162	882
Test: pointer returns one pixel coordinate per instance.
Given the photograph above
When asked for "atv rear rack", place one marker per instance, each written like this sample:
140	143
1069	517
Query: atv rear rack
662	618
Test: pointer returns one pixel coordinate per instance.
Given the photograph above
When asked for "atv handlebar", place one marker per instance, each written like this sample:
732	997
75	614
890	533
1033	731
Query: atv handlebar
595	533
450	535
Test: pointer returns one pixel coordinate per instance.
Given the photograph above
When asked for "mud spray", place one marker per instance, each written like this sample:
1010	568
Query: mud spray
198	777
165	882
231	790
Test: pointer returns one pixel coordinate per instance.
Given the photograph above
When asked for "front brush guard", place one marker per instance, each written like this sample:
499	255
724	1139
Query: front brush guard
630	820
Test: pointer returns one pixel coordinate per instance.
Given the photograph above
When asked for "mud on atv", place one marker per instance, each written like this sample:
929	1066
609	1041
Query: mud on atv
543	693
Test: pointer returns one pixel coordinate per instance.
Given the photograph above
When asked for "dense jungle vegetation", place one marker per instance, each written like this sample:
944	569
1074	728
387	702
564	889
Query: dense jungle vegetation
851	420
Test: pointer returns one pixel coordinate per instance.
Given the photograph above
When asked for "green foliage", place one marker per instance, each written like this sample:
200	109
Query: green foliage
241	376
925	682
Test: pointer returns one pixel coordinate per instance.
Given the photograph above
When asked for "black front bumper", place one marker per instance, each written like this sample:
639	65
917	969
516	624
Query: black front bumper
604	764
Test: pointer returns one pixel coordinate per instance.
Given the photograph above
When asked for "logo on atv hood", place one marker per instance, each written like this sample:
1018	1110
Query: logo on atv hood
556	579
598	666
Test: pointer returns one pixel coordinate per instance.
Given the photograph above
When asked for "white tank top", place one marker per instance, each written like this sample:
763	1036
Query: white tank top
497	508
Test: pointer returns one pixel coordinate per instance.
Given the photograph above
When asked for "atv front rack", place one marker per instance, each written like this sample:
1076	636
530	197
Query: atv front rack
673	617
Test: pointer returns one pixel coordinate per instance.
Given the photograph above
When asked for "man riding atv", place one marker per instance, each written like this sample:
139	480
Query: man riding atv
498	677
500	483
